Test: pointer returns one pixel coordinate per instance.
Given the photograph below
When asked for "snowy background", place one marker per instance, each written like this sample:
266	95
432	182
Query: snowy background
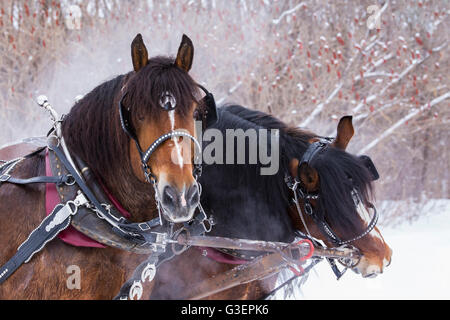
306	62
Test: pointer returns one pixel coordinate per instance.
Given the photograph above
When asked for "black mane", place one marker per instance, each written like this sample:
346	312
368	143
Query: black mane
243	202
249	205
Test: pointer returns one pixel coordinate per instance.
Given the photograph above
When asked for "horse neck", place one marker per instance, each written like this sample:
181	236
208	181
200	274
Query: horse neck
134	195
93	133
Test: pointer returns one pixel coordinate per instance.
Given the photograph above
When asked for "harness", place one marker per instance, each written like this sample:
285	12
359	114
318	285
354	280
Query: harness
300	193
86	207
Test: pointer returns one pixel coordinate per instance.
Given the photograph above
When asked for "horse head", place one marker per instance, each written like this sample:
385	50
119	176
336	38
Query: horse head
335	199
157	106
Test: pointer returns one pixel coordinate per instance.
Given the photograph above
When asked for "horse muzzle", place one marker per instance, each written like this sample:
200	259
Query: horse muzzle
179	205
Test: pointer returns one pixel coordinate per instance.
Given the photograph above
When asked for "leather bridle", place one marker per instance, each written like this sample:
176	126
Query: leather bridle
209	115
300	193
128	128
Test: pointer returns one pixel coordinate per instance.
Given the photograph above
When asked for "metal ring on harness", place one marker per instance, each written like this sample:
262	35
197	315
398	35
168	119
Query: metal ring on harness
348	262
293	263
51	143
70	180
175	237
297	262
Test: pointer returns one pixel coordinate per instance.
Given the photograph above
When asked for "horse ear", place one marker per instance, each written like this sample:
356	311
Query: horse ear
185	54
306	174
345	132
139	54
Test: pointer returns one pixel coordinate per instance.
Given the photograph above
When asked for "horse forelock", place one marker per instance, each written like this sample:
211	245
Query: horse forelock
340	173
160	75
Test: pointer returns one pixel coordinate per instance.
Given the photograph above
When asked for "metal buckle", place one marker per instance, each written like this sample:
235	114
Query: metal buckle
291	183
160	242
5	177
149	176
308	208
146	226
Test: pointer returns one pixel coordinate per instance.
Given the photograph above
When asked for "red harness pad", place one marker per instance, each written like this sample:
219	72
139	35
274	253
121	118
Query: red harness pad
71	235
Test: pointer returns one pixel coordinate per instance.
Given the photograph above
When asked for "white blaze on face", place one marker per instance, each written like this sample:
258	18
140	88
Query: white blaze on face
172	119
183	196
162	183
367	216
175	139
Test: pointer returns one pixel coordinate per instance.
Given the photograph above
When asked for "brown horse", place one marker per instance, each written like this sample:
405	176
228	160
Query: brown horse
160	98
248	205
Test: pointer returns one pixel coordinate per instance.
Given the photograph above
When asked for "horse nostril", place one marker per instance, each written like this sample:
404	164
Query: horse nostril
169	197
388	263
371	275
192	196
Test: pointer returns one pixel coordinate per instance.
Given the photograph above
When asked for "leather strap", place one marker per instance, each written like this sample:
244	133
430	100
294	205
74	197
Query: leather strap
89	223
312	150
49	228
133	287
41	179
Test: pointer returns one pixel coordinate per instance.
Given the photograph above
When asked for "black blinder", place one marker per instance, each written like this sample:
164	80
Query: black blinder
209	114
368	163
125	119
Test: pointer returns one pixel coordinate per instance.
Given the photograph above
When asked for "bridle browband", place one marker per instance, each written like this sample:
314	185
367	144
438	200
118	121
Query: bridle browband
296	185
